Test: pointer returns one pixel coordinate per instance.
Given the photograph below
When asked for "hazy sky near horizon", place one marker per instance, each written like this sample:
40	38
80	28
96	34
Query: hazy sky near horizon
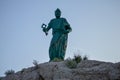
95	30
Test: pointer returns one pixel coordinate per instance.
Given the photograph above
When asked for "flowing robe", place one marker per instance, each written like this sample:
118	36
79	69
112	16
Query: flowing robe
60	29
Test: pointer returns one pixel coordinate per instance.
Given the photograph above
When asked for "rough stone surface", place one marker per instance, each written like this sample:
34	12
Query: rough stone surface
85	70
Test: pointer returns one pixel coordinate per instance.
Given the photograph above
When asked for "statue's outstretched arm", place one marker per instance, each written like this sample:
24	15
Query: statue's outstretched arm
46	28
49	26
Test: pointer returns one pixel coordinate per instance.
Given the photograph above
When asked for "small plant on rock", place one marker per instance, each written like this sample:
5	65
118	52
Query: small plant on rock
71	63
85	57
9	72
22	70
57	60
77	58
35	64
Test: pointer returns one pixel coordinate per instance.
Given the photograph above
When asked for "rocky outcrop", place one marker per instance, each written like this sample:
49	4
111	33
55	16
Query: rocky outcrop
85	70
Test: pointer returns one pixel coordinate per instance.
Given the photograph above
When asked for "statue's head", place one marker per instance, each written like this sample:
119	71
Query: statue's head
57	13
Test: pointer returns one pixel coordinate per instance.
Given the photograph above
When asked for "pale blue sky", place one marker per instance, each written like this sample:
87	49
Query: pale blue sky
95	24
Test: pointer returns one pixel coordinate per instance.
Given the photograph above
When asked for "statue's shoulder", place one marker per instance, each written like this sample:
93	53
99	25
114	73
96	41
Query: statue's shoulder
56	19
53	19
63	18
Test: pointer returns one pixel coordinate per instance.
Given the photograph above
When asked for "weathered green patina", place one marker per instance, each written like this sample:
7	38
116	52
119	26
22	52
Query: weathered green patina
60	29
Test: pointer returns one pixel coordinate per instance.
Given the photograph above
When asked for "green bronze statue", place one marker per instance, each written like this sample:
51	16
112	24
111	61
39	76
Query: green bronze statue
60	29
